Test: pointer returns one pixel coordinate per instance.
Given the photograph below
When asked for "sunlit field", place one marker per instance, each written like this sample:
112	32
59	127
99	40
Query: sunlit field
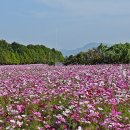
42	97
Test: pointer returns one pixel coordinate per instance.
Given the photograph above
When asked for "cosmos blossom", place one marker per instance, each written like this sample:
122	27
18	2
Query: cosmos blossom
65	97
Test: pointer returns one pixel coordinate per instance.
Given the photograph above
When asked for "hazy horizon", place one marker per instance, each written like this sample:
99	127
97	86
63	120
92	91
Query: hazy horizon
65	24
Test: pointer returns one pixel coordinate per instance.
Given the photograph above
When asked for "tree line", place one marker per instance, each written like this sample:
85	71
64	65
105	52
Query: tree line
116	54
16	53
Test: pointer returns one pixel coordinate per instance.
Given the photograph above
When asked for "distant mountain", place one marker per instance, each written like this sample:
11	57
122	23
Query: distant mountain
84	48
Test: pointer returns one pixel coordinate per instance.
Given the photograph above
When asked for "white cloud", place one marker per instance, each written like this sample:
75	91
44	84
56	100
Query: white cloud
90	7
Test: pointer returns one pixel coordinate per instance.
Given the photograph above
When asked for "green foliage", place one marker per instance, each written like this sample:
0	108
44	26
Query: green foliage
118	53
16	53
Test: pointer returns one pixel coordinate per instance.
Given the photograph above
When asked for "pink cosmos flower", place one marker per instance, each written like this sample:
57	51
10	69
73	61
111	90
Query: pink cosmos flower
20	108
61	118
114	111
38	114
47	126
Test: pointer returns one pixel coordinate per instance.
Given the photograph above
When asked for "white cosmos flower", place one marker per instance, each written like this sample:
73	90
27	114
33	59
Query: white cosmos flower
19	123
99	108
12	121
79	128
124	73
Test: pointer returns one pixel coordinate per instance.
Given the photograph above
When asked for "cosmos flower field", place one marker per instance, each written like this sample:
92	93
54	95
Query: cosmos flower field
42	97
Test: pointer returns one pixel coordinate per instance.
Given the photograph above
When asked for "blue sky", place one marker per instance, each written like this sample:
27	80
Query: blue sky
65	23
